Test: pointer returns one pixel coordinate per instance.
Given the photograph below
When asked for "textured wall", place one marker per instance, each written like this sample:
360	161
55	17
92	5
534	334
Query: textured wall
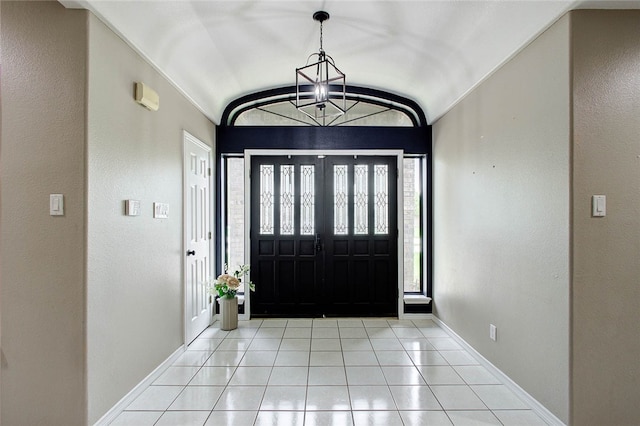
42	257
606	251
0	213
70	351
501	218
134	278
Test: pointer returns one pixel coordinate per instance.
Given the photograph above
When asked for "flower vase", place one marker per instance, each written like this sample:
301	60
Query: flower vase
228	313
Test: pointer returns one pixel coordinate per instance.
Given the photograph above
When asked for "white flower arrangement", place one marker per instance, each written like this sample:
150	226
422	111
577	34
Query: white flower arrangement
227	285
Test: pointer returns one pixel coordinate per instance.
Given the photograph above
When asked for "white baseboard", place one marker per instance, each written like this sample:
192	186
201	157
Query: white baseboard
416	316
538	408
110	415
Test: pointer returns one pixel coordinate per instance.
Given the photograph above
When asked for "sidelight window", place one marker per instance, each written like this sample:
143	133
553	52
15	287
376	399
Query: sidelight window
414	224
233	212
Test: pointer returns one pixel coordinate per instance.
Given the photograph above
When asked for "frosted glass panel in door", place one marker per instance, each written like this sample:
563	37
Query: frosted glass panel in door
266	199
307	200
287	199
340	199
361	199
381	196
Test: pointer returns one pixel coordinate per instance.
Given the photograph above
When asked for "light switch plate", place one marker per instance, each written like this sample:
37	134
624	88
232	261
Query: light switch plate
160	210
493	332
56	204
132	207
599	205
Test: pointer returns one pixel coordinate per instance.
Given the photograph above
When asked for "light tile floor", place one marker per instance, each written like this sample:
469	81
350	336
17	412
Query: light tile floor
327	372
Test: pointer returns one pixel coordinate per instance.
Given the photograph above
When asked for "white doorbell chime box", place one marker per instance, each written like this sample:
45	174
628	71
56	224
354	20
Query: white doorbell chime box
147	97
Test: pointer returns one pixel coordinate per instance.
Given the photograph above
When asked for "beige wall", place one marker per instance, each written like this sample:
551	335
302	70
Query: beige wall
134	278
92	302
501	218
502	239
43	257
606	251
0	215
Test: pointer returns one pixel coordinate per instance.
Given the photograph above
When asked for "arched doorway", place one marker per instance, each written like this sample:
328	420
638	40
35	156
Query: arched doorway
301	273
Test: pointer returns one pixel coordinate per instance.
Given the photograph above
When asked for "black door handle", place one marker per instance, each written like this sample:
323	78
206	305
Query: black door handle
318	243
191	252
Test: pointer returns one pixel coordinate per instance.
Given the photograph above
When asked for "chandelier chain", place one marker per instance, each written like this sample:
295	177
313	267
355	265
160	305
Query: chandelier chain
321	36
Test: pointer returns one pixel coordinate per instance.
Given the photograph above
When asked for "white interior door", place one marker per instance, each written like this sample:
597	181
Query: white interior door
197	235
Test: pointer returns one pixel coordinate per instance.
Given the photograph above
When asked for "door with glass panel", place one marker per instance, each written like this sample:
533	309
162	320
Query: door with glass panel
324	236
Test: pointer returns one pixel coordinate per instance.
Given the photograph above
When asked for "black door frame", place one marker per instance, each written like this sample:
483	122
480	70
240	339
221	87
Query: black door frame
412	140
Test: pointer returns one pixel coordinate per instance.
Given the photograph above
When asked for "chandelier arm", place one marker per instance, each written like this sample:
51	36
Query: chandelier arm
313	54
307	115
345	112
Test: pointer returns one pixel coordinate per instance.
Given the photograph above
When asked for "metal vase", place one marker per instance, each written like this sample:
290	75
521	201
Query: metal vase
228	313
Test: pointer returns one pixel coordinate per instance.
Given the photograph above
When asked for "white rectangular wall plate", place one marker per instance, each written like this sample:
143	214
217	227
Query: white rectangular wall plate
56	204
493	332
599	205
132	207
161	210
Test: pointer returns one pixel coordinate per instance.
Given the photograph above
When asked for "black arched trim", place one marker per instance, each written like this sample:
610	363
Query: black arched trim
372	96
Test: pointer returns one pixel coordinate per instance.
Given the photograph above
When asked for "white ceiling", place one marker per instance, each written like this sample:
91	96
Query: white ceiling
432	51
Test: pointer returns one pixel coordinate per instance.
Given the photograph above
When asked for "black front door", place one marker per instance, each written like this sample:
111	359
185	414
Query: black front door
324	236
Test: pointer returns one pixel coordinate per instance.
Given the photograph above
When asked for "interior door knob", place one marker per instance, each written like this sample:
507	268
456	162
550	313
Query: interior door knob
191	252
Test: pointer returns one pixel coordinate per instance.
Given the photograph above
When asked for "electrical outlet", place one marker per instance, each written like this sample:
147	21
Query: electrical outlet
493	332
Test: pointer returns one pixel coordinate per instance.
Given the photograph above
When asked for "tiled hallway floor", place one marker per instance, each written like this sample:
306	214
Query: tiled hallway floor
327	372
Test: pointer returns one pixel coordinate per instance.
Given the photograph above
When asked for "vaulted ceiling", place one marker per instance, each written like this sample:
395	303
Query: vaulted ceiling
432	51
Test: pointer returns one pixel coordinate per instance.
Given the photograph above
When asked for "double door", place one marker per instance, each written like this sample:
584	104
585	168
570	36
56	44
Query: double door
324	236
